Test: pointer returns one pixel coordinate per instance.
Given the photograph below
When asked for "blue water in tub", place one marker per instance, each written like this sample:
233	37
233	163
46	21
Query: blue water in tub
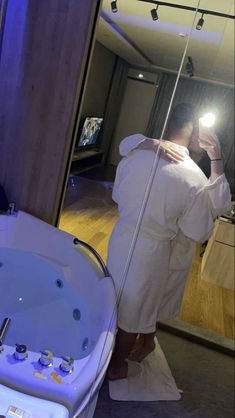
45	311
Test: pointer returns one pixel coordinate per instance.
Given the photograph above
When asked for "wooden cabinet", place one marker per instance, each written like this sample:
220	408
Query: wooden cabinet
218	259
85	160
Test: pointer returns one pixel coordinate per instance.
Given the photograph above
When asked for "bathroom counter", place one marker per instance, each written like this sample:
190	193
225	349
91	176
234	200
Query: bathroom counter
218	259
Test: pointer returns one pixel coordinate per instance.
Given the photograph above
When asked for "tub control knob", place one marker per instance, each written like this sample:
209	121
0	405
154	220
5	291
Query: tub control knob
67	364
46	358
21	352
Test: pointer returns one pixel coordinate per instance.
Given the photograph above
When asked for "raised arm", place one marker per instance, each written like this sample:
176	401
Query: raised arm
130	143
218	188
210	143
169	151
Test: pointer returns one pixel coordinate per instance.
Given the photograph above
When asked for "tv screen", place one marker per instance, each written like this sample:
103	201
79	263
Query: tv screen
90	132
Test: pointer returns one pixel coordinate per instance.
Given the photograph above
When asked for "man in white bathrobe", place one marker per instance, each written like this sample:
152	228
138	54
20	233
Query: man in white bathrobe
180	211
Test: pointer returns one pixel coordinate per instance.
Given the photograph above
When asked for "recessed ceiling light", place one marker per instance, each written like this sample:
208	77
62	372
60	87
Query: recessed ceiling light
140	76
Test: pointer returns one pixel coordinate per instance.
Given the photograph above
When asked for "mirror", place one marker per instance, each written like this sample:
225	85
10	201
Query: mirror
207	82
129	44
132	77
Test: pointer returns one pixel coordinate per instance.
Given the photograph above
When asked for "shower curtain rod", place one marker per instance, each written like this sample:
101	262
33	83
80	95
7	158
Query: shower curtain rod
193	9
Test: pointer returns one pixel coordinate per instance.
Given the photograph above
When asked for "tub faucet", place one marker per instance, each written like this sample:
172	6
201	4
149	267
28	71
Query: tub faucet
3	329
46	358
12	209
67	364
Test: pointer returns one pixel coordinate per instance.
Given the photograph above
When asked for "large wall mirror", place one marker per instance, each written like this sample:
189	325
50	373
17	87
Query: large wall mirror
209	85
139	60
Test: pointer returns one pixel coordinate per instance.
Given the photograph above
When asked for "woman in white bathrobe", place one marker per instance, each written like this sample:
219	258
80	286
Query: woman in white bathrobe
180	211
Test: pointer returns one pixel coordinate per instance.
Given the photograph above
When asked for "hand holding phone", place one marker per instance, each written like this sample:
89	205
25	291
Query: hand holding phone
209	142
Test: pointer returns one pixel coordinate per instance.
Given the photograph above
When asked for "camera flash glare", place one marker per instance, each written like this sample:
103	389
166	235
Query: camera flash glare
208	120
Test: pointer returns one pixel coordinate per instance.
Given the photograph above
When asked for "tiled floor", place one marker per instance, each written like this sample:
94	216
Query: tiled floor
205	376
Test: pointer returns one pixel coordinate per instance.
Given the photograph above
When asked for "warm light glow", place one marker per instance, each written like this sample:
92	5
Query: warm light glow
208	120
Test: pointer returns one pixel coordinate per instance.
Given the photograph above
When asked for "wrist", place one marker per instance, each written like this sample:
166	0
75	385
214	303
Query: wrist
215	154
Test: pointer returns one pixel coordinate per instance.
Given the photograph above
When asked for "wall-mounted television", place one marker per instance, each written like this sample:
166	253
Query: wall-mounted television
90	132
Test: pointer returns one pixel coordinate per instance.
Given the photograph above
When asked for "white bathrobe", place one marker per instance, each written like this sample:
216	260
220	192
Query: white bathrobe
180	211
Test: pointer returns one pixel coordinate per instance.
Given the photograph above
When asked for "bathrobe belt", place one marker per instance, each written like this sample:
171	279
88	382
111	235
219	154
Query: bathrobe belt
156	233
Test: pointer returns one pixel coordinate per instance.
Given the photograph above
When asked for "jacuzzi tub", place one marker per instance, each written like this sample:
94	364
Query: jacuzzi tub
57	299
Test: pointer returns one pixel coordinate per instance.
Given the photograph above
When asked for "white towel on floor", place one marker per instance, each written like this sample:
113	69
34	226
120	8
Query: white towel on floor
150	380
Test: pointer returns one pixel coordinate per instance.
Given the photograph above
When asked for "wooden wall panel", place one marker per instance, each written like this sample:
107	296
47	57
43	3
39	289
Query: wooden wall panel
45	52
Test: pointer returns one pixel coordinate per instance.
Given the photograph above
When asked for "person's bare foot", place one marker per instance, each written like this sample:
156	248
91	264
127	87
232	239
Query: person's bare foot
118	373
143	352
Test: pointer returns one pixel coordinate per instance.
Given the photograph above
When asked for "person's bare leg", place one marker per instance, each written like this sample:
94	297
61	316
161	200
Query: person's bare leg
138	344
125	342
147	347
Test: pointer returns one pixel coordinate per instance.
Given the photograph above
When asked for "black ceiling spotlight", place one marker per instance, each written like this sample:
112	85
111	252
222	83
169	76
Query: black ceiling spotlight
154	13
190	67
200	23
114	6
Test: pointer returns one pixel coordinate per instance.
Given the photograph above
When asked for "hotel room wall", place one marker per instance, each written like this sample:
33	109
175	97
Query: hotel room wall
134	113
98	84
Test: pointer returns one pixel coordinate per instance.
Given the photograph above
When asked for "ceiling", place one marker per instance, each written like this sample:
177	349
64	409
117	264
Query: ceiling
133	35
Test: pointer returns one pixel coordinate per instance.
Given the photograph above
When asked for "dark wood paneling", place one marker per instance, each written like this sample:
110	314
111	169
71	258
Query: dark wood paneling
44	56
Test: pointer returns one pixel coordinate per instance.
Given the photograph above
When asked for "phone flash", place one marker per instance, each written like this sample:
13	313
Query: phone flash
208	120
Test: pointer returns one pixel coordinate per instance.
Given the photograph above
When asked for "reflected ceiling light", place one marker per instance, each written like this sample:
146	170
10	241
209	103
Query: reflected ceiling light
182	34
200	23
114	6
154	13
140	76
208	120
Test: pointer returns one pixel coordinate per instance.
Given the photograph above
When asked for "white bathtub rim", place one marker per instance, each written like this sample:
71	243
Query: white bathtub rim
104	345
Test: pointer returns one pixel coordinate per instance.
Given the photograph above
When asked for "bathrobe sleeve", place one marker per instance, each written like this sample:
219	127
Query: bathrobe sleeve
220	195
115	193
203	207
129	143
197	220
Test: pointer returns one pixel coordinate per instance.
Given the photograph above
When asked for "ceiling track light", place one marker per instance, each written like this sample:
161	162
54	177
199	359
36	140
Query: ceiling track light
114	7
190	67
200	23
154	13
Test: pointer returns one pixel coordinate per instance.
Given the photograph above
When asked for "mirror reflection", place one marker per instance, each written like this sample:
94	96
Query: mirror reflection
132	77
209	295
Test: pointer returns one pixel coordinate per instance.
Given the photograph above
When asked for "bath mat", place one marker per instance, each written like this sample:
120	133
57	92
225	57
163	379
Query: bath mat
150	380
